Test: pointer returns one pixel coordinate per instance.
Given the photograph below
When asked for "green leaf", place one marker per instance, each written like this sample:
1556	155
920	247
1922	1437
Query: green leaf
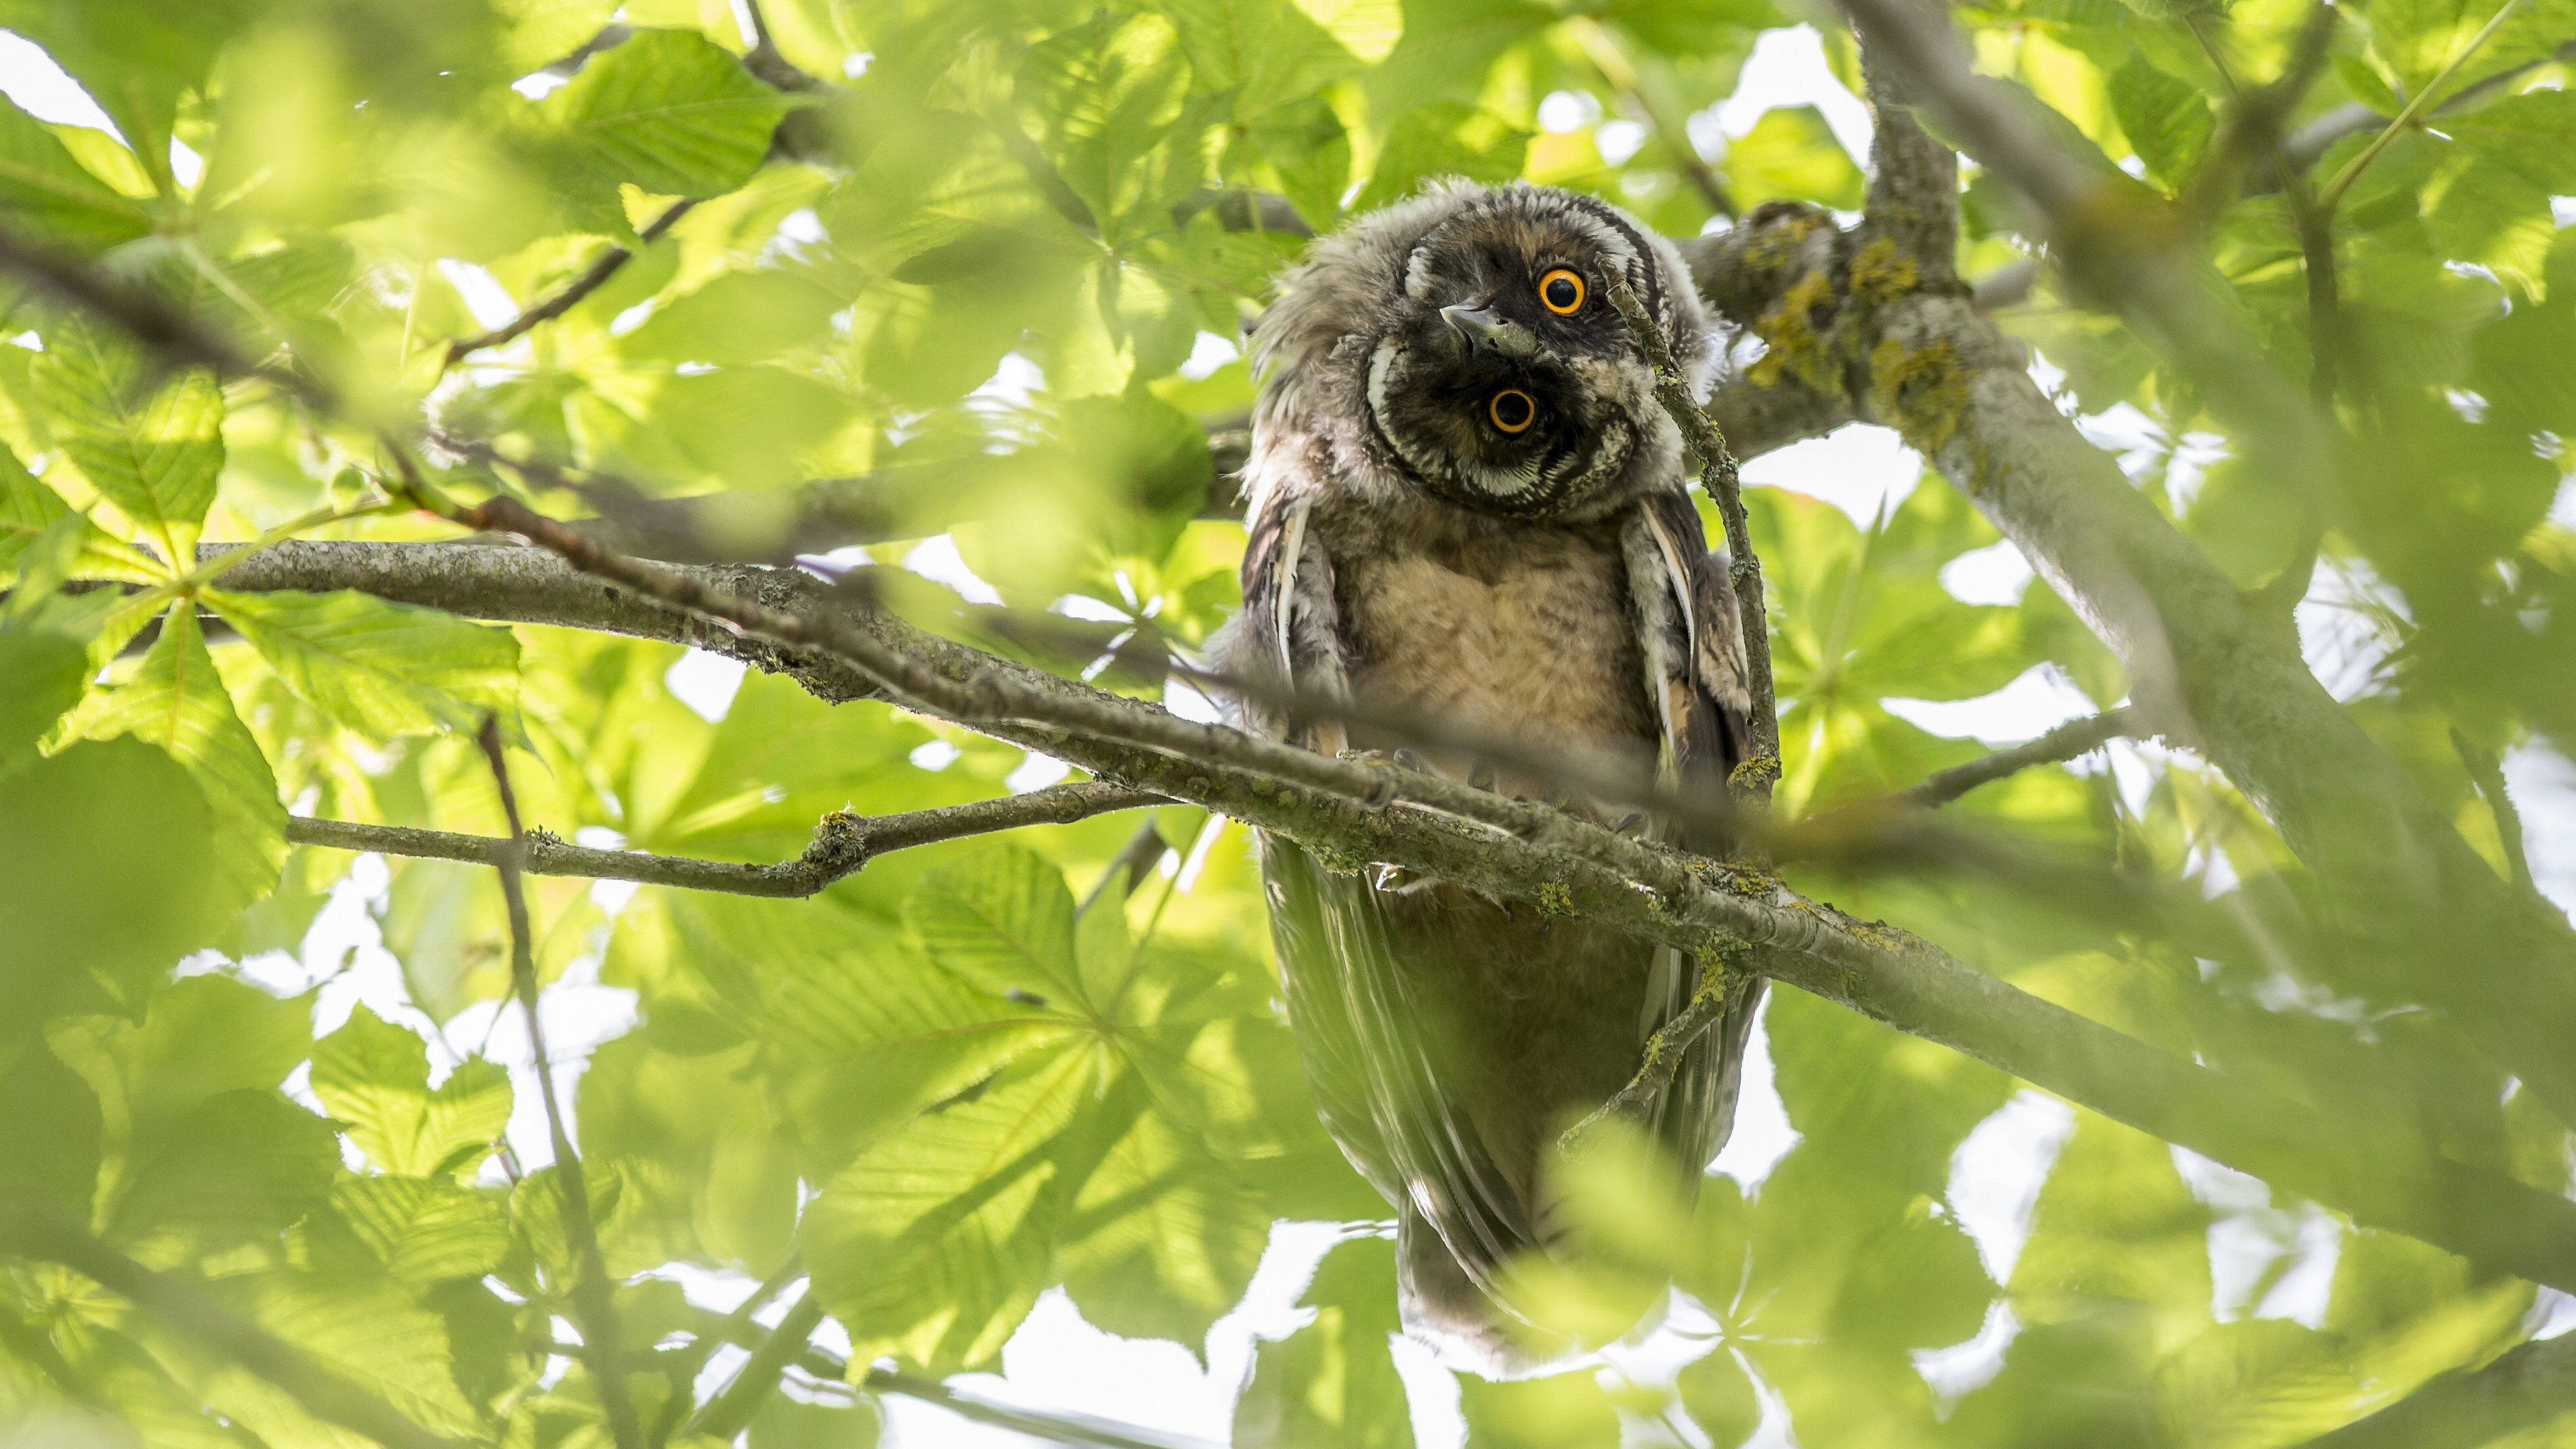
1002	921
371	1334
1159	1240
2532	135
2166	120
1720	1397
1444	138
1564	1411
1099	99
666	111
784	1423
374	1076
1792	154
1332	1383
151	444
933	1244
110	855
383	669
46	674
43	188
176	700
423	1230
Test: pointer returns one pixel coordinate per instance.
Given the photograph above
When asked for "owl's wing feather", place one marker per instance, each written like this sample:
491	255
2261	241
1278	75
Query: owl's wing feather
1376	1083
1692	644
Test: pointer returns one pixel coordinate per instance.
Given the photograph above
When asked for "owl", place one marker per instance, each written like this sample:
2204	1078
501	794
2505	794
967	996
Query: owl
1466	501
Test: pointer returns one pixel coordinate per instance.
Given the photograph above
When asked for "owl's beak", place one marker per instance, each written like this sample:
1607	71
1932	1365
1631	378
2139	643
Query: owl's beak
1483	327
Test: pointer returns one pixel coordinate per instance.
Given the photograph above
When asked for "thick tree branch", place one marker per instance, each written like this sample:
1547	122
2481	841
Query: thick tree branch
843	843
2402	885
31	1230
592	278
1540	857
594	1300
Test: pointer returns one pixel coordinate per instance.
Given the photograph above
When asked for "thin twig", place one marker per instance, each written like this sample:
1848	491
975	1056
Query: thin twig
2487	772
35	1230
682	1371
730	1411
1057	1425
2414	106
1610	57
2075	737
1717	477
592	278
593	1297
843	843
1721	987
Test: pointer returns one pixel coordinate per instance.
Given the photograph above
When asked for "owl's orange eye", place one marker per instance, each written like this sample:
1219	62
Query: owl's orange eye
1512	410
1562	291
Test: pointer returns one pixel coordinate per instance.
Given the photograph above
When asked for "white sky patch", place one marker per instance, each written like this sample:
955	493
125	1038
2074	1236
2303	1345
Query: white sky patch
1563	111
485	297
705	683
1858	469
2249	1239
539	85
2338	633
1439	1421
2542	783
936	558
1618	140
1998	1170
30	78
1058	1361
2553	1312
186	166
1963	1368
936	755
1787	68
1190	702
2041	699
1085	607
1208	352
1995	574
1012	382
1762	1134
1036	773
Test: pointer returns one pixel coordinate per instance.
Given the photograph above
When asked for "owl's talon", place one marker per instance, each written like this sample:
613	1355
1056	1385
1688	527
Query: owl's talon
1632	824
1409	760
1480	776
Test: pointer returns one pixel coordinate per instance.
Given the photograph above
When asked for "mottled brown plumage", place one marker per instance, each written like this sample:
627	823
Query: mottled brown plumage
1465	500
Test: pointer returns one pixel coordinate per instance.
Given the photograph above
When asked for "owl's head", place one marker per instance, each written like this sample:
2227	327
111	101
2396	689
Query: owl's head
1463	344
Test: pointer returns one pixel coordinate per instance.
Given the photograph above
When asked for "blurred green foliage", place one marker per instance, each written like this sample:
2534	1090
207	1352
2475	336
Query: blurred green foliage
989	259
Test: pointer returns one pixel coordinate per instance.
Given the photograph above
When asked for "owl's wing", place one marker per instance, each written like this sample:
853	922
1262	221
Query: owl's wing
1693	647
1376	1084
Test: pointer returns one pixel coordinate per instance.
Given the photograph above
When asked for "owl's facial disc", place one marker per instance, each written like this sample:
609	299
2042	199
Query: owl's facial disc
1491	396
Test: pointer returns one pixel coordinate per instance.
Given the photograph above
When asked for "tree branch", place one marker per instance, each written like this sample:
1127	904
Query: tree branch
37	1231
593	1297
729	1412
1550	861
2400	882
2075	737
843	843
592	278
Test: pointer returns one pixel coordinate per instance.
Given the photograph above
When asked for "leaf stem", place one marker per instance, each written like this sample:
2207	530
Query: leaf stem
2414	107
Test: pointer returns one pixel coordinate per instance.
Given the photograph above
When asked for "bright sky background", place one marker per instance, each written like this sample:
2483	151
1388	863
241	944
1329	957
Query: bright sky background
1057	1360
